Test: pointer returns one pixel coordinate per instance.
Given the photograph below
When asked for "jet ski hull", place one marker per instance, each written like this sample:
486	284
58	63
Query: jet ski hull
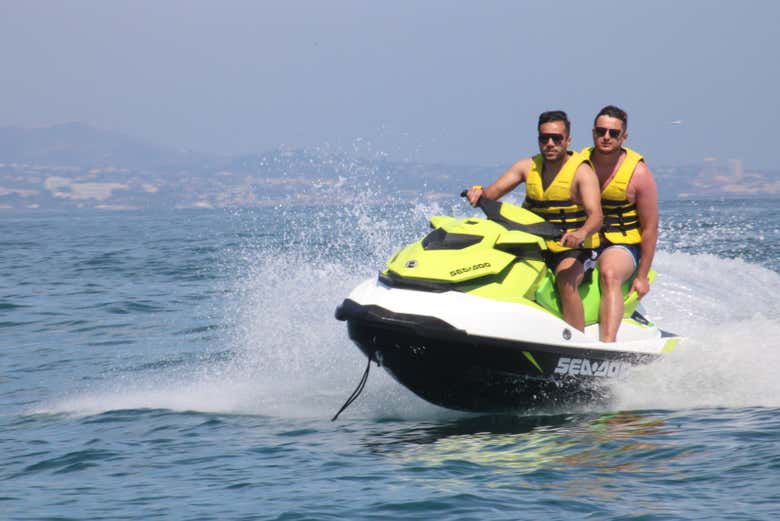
449	367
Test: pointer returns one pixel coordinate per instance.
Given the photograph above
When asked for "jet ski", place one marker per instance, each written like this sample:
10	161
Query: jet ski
468	318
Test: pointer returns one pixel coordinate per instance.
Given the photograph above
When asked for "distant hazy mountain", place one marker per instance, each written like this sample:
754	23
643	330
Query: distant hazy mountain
80	144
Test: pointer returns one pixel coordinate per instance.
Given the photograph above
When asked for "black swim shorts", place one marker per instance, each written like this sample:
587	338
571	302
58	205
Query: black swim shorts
585	256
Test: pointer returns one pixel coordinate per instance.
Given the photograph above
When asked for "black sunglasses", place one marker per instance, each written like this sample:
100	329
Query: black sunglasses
614	133
557	138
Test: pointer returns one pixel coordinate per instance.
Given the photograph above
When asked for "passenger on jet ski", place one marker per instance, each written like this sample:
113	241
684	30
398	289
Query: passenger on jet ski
561	187
629	201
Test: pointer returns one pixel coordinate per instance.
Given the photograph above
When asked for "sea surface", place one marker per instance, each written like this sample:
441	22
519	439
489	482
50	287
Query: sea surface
186	364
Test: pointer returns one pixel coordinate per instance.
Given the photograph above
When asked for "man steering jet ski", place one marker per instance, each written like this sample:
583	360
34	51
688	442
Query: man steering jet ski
561	187
469	317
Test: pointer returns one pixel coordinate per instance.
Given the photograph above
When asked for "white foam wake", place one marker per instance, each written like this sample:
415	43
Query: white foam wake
728	311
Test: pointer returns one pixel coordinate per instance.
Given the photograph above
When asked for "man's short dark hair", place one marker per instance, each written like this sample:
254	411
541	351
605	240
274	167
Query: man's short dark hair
613	112
554	115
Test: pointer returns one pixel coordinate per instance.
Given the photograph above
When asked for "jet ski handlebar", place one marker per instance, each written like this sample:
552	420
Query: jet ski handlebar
492	209
483	203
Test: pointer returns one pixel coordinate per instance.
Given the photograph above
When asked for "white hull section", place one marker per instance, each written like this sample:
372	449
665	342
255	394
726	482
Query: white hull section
483	317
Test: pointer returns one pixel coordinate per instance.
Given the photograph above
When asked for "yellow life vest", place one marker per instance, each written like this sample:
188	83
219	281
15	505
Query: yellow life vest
555	203
621	222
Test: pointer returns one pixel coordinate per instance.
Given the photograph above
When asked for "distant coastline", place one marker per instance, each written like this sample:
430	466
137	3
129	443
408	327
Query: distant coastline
76	166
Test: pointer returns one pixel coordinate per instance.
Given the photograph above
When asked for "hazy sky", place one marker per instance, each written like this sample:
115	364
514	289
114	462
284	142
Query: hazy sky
436	81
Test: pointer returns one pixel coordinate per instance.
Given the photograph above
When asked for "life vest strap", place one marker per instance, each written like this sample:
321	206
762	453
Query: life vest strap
618	207
620	220
536	203
564	216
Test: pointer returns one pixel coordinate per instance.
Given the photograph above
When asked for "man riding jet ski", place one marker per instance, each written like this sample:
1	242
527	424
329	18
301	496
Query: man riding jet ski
469	318
561	187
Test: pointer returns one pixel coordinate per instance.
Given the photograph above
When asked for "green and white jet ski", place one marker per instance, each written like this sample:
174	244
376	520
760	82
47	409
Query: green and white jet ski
468	318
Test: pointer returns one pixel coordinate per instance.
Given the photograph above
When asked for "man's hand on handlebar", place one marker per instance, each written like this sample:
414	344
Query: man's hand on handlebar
474	193
573	239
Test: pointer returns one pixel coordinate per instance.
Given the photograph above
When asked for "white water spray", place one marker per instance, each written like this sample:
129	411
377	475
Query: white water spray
727	309
291	358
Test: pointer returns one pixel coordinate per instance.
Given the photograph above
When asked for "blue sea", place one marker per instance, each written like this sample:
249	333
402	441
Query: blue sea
186	364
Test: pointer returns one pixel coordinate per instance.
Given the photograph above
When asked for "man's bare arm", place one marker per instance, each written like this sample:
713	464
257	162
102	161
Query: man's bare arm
585	188
646	200
507	182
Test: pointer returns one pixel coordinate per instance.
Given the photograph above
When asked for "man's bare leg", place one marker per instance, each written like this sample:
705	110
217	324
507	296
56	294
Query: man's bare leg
568	276
615	267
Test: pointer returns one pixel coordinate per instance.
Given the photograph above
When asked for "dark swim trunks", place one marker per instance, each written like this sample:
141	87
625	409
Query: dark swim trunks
633	249
586	257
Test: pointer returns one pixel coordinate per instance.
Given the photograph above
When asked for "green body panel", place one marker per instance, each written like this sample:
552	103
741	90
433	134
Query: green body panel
456	265
437	221
519	214
452	266
519	285
505	265
516	237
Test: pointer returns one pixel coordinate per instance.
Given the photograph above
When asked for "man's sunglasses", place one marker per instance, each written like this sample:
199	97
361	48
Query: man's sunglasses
614	133
557	138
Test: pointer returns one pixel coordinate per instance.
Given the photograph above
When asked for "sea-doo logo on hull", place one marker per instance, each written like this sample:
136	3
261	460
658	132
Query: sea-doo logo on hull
586	367
467	269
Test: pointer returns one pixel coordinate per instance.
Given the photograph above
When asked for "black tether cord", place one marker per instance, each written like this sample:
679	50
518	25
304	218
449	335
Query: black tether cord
357	391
